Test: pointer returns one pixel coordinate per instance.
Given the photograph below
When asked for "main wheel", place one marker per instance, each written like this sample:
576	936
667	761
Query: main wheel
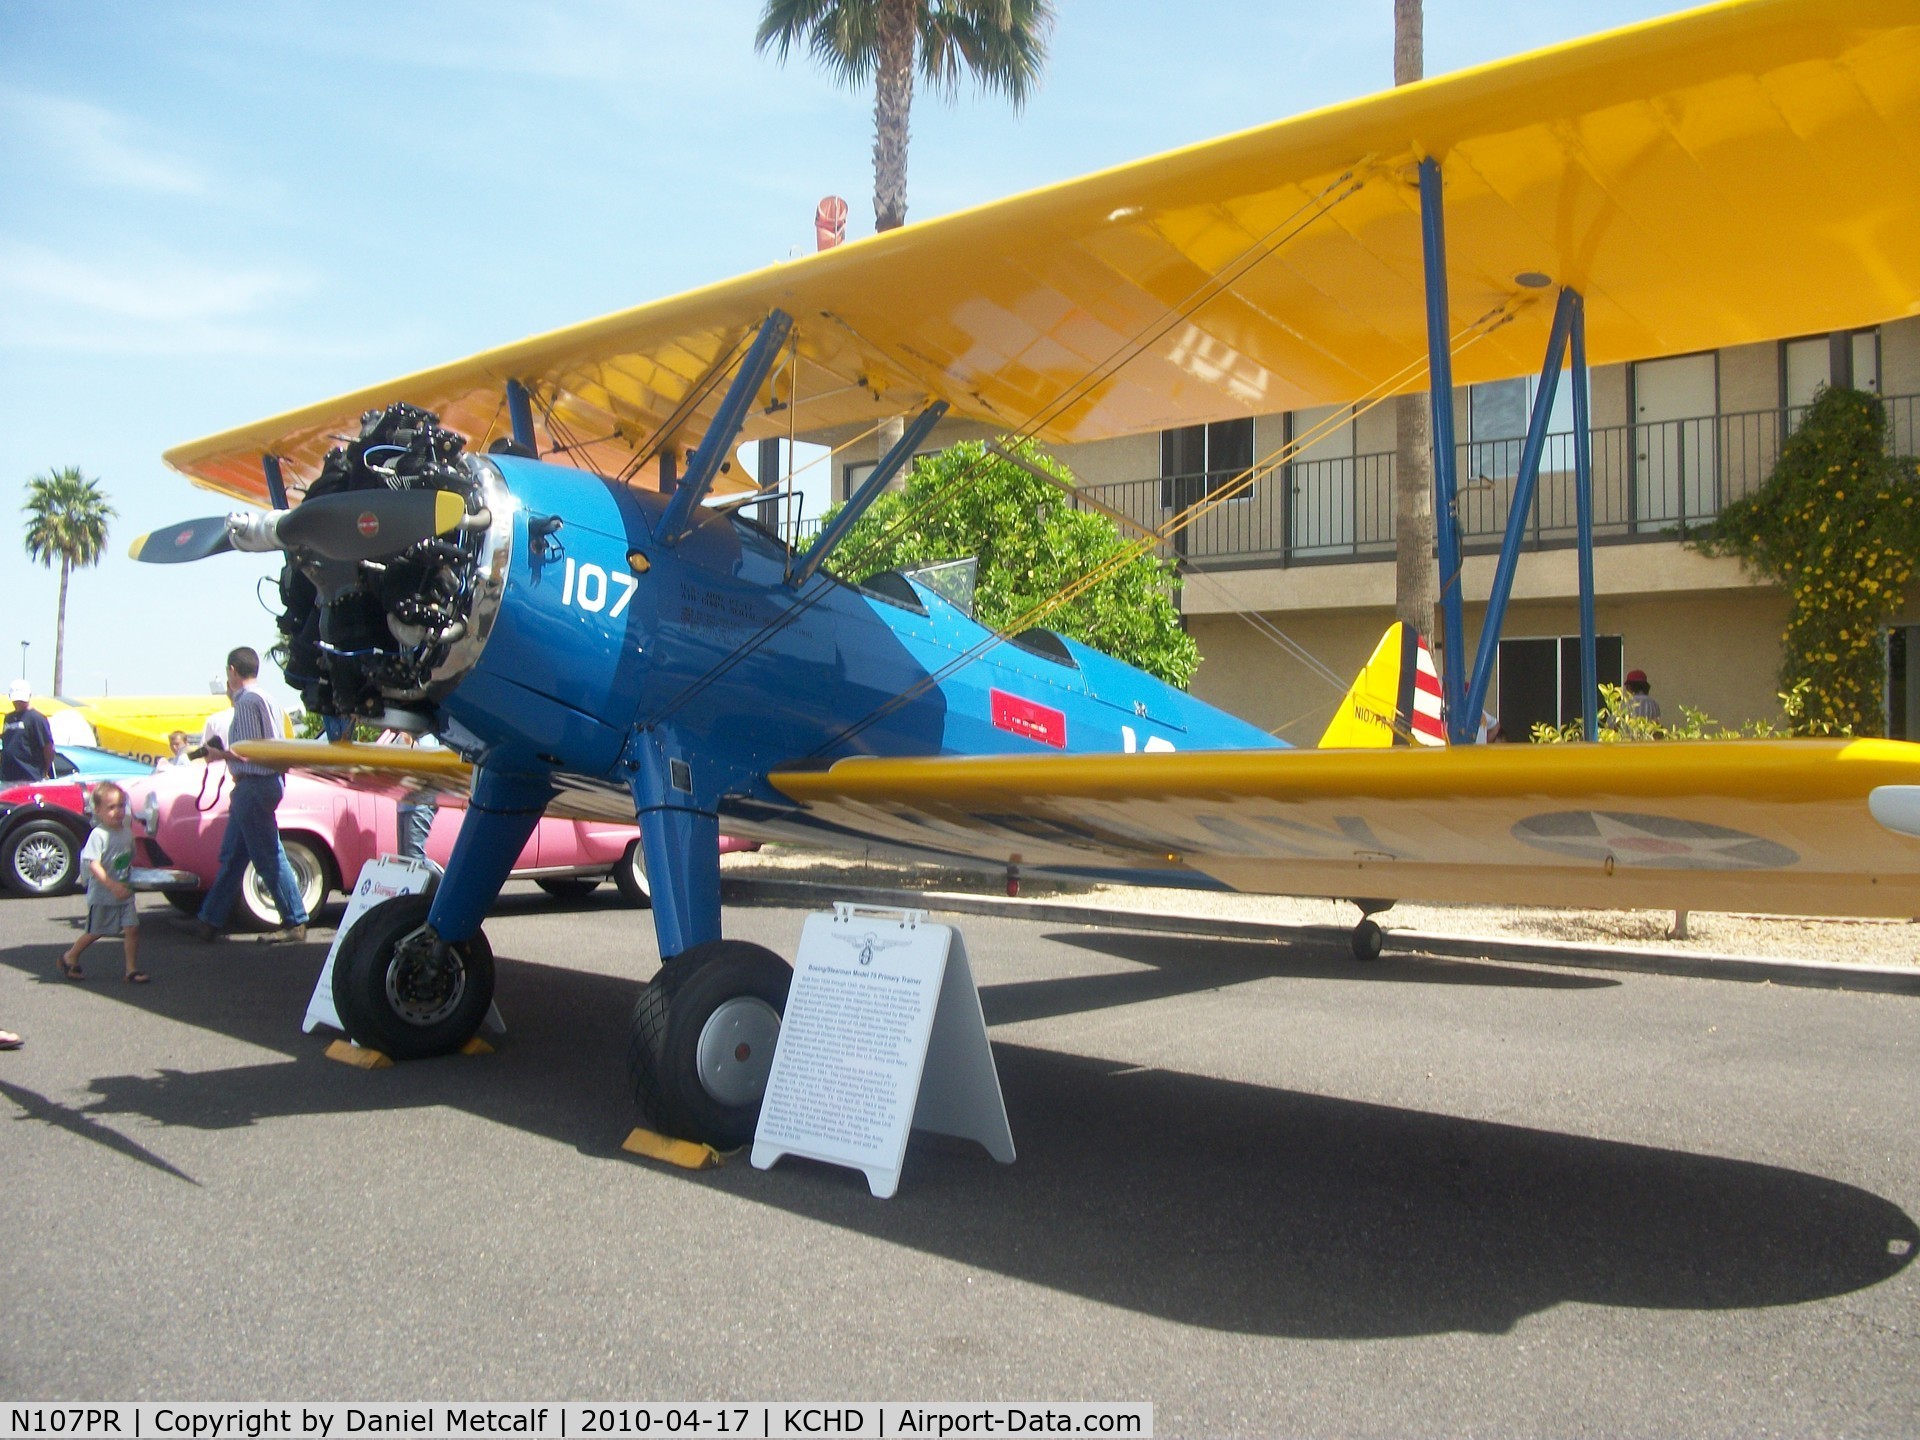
631	876
402	990
40	858
187	902
702	1041
569	887
1368	940
310	873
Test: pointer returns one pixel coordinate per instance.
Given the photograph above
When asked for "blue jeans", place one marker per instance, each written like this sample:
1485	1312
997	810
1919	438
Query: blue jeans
252	834
414	822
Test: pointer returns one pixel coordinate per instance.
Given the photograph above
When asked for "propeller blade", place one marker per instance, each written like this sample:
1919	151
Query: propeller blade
370	524
188	540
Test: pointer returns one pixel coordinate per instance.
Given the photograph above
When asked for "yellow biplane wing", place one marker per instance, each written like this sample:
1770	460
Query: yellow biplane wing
1783	827
397	770
1736	173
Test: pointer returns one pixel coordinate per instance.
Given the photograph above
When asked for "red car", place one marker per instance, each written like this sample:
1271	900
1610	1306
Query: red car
330	829
43	823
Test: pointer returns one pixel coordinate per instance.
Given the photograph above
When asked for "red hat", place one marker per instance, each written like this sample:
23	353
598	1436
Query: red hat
1636	677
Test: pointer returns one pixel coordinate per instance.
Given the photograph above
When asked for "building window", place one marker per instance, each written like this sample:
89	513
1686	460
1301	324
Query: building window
1848	358
1903	682
1539	680
1497	416
854	473
1197	460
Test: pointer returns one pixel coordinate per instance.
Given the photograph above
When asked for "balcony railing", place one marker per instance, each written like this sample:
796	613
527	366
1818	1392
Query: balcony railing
1650	482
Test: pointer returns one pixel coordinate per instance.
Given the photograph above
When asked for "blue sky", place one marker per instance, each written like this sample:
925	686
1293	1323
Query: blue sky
213	212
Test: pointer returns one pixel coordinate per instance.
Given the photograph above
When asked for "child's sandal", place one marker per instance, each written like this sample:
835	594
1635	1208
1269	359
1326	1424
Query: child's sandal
138	977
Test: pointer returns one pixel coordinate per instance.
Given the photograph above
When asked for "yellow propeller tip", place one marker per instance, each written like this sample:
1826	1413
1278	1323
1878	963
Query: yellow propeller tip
448	511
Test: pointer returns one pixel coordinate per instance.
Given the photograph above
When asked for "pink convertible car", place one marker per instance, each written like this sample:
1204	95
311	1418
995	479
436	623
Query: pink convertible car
331	829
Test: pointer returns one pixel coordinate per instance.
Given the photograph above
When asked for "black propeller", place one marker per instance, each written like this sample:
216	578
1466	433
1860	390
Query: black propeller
188	540
348	525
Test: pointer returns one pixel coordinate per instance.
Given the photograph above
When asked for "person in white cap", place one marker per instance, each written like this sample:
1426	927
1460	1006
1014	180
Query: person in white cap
26	748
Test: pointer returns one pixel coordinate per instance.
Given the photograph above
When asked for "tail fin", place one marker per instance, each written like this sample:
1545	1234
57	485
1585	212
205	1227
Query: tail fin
1395	700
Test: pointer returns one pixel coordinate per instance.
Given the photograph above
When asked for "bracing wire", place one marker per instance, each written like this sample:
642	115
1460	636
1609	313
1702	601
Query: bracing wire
1314	207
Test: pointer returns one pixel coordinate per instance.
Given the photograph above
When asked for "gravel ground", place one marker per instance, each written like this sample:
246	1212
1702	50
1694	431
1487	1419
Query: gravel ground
1779	937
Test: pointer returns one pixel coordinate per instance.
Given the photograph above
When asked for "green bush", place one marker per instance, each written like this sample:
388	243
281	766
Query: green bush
1032	545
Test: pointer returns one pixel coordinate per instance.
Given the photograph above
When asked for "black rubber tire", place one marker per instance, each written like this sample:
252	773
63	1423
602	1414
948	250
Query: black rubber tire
669	1021
1368	941
187	902
630	875
569	887
311	867
363	984
40	857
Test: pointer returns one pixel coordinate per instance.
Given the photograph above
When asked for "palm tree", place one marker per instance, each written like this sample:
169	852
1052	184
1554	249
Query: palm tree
67	519
1416	574
1001	43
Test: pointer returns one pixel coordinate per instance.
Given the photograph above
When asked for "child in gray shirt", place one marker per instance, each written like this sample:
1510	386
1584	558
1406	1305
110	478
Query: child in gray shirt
108	858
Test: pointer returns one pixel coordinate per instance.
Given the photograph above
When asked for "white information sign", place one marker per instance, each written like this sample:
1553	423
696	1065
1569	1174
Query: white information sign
381	879
883	1033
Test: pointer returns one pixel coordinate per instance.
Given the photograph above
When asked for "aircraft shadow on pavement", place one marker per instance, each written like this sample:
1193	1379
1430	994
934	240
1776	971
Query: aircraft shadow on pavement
1209	1202
1184	965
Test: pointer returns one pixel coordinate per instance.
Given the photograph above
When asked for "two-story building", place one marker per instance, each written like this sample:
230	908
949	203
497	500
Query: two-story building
1309	546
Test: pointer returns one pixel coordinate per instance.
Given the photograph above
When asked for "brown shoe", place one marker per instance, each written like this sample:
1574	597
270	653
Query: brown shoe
200	930
292	935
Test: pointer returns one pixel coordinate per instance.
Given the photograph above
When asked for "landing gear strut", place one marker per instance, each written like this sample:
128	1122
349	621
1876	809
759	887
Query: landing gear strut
1368	938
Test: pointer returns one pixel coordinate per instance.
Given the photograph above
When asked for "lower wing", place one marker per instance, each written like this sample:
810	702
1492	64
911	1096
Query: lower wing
1785	827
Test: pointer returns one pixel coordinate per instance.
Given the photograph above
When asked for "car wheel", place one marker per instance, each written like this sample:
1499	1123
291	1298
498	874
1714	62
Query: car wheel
401	990
702	1038
40	858
257	909
630	875
187	902
569	887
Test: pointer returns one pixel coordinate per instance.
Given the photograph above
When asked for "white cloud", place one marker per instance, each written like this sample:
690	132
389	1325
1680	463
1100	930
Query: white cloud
95	144
153	289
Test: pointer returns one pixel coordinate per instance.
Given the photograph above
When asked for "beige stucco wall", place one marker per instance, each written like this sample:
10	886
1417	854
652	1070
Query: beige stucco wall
1749	377
1618	570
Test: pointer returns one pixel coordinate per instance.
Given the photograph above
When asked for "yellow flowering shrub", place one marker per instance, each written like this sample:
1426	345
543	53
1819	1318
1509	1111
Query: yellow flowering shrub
1837	526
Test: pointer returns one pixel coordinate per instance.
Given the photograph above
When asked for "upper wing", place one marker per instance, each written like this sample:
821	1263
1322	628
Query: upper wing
1775	826
1677	173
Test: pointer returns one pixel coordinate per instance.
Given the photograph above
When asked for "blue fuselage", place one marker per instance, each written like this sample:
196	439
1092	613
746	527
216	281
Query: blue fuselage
602	634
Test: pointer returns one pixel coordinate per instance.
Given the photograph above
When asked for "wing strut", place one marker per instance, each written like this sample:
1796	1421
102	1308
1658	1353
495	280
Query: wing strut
1583	506
1519	510
870	490
520	414
1446	520
276	483
705	464
1569	324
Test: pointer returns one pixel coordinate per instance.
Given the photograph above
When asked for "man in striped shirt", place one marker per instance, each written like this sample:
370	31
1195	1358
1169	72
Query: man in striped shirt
252	833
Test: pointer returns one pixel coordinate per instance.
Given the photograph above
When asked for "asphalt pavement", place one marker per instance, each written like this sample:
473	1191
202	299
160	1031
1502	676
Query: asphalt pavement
1267	1189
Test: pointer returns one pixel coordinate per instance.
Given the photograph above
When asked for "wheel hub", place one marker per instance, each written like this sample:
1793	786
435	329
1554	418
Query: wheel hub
735	1052
425	978
40	861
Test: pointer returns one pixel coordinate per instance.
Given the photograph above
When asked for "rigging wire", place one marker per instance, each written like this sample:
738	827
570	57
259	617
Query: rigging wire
1208	289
